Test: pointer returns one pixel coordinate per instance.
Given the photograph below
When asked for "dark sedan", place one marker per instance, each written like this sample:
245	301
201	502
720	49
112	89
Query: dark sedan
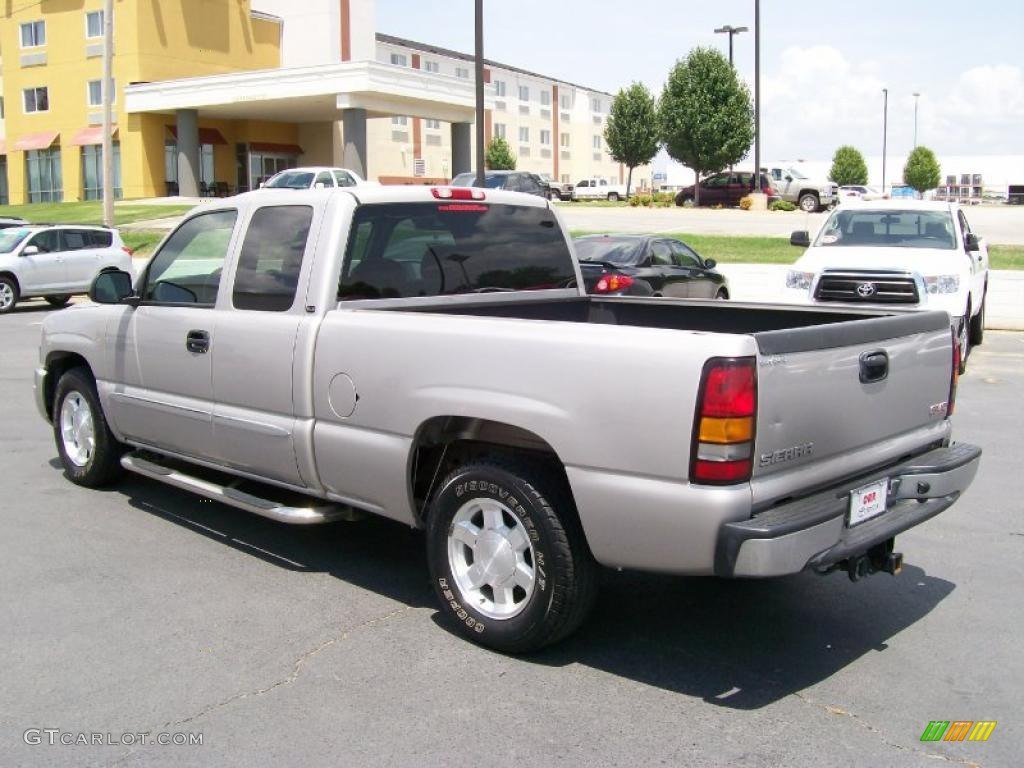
642	265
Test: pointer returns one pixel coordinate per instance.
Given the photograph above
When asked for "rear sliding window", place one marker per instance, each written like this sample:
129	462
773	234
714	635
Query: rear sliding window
445	248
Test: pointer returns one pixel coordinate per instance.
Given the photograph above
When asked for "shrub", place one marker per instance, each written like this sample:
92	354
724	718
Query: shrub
634	201
645	200
782	205
666	203
746	203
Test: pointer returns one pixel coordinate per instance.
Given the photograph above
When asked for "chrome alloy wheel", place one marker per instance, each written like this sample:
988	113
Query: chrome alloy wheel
77	431
6	296
491	558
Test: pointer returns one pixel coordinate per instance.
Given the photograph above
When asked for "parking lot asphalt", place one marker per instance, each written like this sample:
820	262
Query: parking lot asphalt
140	608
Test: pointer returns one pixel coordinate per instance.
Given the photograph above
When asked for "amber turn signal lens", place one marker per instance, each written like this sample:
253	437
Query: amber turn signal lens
724	431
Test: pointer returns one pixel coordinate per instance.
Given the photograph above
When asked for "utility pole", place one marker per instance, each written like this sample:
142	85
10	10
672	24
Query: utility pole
916	97
106	92
731	31
757	95
479	93
885	131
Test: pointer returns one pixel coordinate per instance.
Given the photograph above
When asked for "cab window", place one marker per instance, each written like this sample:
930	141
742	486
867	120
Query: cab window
187	270
271	258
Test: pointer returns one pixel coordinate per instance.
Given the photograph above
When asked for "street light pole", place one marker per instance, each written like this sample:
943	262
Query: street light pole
479	93
108	114
757	95
885	131
916	97
731	31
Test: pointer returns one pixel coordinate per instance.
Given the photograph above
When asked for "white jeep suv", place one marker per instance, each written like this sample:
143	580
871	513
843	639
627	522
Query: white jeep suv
896	253
56	262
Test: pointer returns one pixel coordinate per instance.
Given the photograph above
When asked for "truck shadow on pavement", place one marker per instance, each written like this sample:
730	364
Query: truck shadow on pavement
739	644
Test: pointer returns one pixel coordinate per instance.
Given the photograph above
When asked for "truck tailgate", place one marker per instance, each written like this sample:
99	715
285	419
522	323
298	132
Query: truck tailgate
839	400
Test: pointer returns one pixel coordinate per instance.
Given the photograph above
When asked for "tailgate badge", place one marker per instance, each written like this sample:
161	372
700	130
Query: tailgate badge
786	454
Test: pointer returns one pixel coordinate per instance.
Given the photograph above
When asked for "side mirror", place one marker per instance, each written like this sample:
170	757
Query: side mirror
801	238
710	263
971	241
111	287
30	250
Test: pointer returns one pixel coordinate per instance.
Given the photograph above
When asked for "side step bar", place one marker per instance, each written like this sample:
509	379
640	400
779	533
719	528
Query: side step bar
323	513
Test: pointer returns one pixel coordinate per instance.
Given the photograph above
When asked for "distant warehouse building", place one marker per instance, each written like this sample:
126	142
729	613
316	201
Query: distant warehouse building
212	96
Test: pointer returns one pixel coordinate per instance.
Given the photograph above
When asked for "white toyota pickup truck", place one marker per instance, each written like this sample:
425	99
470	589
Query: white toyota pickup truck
428	355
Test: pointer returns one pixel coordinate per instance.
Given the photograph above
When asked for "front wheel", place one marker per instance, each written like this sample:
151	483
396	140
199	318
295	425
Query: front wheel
508	559
809	202
722	295
8	294
88	449
58	300
554	196
613	197
685	202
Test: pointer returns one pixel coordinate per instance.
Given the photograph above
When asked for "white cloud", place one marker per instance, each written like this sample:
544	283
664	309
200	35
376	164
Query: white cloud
984	112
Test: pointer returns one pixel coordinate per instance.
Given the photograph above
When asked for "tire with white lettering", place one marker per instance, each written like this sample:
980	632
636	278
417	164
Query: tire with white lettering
508	558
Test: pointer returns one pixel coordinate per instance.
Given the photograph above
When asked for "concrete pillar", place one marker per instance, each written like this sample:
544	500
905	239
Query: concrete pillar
354	125
188	152
462	148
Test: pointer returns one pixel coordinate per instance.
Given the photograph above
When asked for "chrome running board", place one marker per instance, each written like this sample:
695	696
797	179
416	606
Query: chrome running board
320	513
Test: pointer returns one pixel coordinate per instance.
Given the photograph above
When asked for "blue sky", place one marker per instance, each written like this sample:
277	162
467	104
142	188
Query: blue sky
823	65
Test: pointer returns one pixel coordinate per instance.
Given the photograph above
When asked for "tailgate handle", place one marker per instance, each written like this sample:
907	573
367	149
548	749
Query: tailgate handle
874	366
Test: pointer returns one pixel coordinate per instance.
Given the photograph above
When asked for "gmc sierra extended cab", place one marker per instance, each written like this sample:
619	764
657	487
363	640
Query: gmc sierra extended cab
427	354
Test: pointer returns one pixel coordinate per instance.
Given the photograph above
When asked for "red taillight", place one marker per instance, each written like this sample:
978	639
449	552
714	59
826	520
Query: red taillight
954	376
457	193
127	250
612	283
723	430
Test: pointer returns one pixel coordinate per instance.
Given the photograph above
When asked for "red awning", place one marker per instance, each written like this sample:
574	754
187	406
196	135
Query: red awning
41	140
269	146
206	135
91	135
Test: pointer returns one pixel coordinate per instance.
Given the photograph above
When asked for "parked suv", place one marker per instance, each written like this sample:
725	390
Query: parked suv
726	188
56	262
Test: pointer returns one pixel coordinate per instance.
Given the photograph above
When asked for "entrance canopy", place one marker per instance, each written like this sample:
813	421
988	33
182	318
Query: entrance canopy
311	94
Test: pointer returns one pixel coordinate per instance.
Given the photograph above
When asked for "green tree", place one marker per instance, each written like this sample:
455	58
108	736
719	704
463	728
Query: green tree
499	156
632	129
848	167
922	170
705	117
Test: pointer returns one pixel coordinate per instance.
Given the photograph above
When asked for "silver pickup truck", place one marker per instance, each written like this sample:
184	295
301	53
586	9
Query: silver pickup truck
427	354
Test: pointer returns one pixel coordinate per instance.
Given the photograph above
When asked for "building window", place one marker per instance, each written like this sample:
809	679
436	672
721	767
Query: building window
563	140
432	124
524	134
565	178
42	167
94	90
94	24
33	34
597	142
431	66
499	88
462	72
399	60
595	105
524	93
36	100
206	164
545	137
499	130
400	120
524	151
545	98
92	171
565	101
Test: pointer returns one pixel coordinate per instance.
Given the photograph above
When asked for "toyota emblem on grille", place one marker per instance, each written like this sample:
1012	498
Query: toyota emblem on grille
864	290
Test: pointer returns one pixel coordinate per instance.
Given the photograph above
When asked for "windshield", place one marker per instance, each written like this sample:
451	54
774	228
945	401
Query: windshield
469	180
889	228
11	238
620	252
291	180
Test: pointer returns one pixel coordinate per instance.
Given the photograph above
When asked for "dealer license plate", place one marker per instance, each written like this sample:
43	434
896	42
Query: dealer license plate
867	502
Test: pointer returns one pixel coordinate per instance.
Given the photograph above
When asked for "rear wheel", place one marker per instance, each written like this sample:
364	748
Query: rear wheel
685	201
964	335
8	294
809	202
722	295
507	555
977	331
613	197
58	299
88	449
